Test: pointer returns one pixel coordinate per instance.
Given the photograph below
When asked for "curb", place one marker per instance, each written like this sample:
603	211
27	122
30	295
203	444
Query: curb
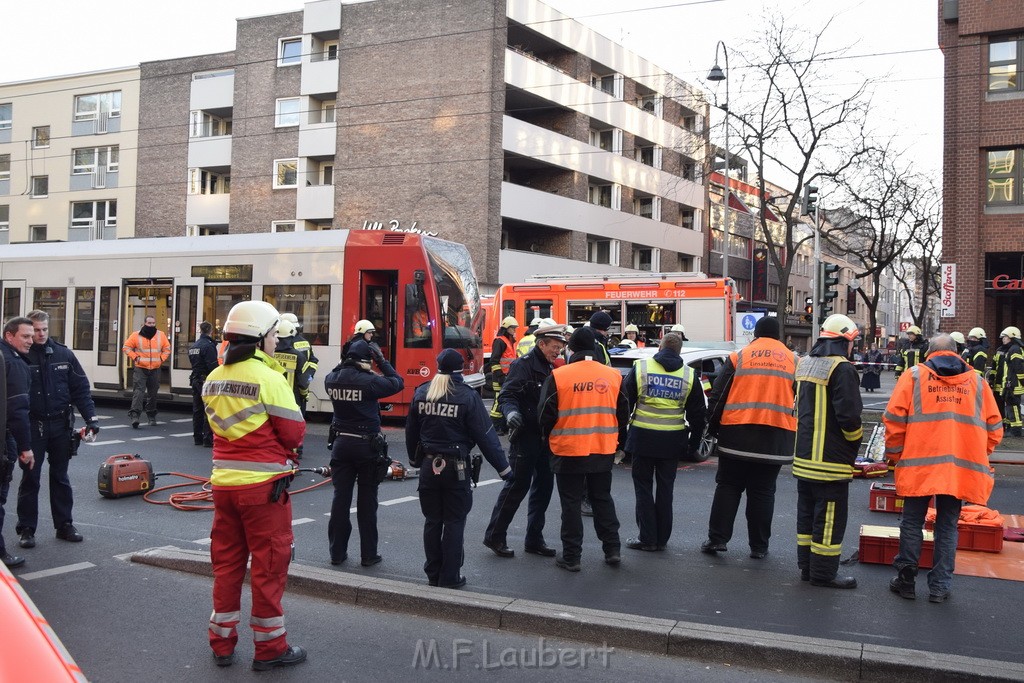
820	657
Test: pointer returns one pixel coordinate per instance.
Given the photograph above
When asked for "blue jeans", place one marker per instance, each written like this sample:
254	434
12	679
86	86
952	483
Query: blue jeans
911	535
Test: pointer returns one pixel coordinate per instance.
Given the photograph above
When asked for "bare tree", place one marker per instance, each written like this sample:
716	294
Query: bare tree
919	274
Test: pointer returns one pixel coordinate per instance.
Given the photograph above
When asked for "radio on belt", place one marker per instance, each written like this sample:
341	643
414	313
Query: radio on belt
124	475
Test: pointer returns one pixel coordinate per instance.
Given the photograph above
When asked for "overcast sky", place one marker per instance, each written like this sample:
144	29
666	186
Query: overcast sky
40	38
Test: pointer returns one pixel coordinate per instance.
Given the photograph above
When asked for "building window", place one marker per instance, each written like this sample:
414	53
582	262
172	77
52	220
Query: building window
37	233
5	166
327	111
600	195
201	181
330	50
1004	65
603	251
88	159
5	218
690	122
603	139
649	103
40	137
603	82
327	174
282	226
289	51
645	155
689	169
287	112
95	216
89	107
686	218
286	173
204	125
717	240
647	258
1004	177
217	73
40	185
6	110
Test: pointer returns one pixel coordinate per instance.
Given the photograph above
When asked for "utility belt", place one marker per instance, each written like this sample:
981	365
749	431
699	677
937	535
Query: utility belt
439	461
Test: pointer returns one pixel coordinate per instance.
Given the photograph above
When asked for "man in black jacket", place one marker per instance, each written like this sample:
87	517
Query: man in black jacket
528	454
18	437
203	356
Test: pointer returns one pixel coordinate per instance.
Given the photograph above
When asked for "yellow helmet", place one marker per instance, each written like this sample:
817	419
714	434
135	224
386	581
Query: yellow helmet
914	329
632	328
838	325
1011	332
977	333
958	337
364	326
509	321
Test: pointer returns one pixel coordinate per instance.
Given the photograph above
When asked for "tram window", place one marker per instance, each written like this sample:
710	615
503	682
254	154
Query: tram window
508	308
218	300
109	347
311	304
417	318
185	325
12	302
537	309
85	316
54	302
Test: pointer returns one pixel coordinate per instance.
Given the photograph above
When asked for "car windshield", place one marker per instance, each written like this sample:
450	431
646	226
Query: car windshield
460	316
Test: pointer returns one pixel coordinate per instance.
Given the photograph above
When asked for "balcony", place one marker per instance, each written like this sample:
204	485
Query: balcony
315	203
318	140
215	92
321	17
207	209
209	152
319	77
517	266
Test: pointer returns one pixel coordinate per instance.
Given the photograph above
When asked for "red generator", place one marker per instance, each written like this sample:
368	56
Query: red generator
124	475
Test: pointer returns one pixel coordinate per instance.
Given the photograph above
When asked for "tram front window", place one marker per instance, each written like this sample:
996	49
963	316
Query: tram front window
457	292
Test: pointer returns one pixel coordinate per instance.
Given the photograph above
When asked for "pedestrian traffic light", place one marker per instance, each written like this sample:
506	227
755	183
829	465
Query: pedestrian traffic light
808	316
828	278
810	200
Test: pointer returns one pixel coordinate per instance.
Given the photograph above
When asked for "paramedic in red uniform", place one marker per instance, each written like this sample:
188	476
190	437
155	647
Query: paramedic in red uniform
256	428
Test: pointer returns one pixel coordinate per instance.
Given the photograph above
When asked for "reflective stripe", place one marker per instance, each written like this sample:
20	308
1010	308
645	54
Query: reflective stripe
267	622
225	617
803	539
226	423
755	456
854	435
948	459
894	449
263	636
222	631
578	431
758	405
764	373
661	413
589	410
826	550
246	466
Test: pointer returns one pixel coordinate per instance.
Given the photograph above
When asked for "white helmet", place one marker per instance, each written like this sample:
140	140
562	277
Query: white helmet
838	325
251	319
537	322
292	318
1011	332
632	328
285	328
364	326
678	328
977	333
509	321
627	344
958	337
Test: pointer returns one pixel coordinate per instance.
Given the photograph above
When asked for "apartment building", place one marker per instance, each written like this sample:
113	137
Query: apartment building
983	150
68	149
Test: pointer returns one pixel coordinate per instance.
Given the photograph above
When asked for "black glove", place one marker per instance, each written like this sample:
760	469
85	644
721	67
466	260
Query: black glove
515	420
509	476
92	429
378	356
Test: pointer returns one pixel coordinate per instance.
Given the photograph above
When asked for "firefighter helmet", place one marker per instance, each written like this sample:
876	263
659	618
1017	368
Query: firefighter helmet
627	344
509	321
292	318
537	322
678	328
838	325
632	328
958	337
285	328
251	319
1011	332
977	333
914	329
548	322
364	326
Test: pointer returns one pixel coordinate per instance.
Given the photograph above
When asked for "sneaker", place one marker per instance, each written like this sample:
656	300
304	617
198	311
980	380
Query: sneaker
12	561
135	421
28	539
293	655
68	532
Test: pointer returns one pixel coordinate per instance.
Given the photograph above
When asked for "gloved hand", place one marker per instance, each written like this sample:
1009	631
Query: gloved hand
515	420
92	429
378	355
509	476
620	455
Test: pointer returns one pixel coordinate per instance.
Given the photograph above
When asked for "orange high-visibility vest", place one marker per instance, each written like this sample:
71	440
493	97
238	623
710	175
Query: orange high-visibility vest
147	354
508	355
222	351
588	394
762	387
940	431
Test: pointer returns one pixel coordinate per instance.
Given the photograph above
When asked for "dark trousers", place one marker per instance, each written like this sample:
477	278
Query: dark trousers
571	489
529	461
733	478
145	384
201	432
445	502
353	464
11	454
51	440
821	509
654	508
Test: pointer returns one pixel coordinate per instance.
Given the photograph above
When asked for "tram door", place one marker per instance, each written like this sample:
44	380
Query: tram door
140	300
378	304
13	298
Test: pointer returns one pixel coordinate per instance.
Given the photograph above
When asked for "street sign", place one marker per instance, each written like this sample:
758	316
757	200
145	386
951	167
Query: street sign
904	327
744	325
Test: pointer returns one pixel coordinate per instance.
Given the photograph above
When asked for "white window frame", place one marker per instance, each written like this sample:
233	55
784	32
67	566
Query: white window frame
33	230
278	115
201	181
113	165
655	258
217	73
6	120
276	226
36	144
278	163
5	174
32	184
5	217
91	115
282	60
205	125
328	44
328	111
94	227
593	245
327	173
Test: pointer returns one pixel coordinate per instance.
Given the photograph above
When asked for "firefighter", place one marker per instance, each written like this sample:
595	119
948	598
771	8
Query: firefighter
525	345
364	330
1010	383
976	353
961	343
632	333
529	454
680	330
446	419
913	352
202	354
294	356
302	345
752	416
941	448
503	352
14	347
583	418
668	408
355	390
256	427
828	434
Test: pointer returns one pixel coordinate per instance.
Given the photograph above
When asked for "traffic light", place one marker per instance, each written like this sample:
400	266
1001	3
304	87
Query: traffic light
828	278
808	310
810	200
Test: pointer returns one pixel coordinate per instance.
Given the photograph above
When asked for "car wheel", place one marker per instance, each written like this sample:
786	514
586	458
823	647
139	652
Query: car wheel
707	444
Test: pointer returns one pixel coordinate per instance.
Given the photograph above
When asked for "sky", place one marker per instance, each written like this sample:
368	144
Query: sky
893	40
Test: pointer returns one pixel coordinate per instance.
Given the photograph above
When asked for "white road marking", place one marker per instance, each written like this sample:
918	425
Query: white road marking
302	520
203	541
105	427
182	434
104	417
66	569
489	481
147	438
105	443
185	419
396	501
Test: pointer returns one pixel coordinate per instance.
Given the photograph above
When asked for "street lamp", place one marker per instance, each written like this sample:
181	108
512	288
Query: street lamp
715	75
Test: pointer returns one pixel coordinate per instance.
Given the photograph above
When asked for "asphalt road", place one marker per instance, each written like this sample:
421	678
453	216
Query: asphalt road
115	617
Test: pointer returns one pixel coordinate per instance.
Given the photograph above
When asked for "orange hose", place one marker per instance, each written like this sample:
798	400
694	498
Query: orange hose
190	501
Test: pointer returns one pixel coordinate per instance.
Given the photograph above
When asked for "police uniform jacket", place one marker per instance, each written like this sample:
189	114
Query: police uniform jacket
58	381
203	356
651	443
452	426
354	392
548	416
829	431
521	391
19	384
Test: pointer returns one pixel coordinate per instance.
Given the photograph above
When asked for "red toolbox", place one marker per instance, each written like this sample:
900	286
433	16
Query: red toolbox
879	545
883	497
982	537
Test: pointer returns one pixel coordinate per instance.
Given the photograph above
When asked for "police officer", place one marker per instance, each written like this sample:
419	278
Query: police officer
976	353
203	356
293	354
354	390
58	382
1010	381
446	419
18	435
914	352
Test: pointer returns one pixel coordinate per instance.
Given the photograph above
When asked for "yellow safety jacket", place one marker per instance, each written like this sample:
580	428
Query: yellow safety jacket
525	345
661	396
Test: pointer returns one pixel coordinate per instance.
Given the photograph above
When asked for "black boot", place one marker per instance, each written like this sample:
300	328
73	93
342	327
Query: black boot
903	582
